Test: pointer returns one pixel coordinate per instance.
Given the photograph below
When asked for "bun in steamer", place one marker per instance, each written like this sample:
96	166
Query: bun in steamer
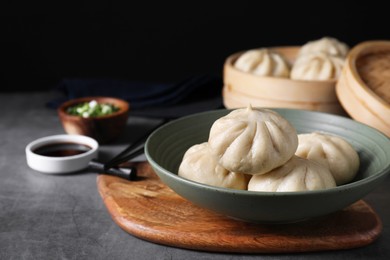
263	62
327	45
317	66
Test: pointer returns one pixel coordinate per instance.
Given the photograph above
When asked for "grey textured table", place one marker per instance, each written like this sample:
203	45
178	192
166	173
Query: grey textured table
63	217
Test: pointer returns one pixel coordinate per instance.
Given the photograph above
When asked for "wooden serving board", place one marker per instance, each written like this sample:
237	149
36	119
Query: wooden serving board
148	209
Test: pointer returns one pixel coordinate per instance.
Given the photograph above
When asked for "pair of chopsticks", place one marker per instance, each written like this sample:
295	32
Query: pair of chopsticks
133	150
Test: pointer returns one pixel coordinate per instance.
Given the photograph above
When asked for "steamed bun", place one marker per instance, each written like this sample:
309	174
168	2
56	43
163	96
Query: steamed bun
317	66
200	165
263	62
331	151
326	45
252	140
297	174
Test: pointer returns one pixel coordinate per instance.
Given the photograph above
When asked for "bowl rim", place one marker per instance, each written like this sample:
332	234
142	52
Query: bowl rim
124	107
52	139
351	185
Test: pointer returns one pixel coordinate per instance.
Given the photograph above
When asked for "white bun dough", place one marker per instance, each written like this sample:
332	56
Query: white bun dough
327	45
331	151
252	140
317	66
200	165
263	62
297	174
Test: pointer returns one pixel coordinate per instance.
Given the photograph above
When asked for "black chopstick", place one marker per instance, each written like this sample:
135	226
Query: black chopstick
127	157
122	157
125	173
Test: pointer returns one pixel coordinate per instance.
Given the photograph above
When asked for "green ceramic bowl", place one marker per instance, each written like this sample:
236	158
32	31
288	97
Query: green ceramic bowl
166	146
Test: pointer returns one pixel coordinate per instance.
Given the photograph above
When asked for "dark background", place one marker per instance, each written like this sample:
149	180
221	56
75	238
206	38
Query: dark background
161	41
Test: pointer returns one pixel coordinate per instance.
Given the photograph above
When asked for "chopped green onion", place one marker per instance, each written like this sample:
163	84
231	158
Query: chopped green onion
92	109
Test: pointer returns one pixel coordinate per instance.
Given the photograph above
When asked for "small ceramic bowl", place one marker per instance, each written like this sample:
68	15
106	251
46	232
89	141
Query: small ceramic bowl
244	88
166	146
103	128
61	153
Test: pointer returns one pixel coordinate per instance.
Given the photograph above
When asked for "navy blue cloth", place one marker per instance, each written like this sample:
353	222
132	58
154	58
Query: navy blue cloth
144	97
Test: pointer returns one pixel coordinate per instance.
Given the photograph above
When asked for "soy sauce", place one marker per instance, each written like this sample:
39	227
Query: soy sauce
62	149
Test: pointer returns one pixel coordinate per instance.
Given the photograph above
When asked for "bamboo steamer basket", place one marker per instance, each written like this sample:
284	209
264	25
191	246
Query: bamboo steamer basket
243	88
367	63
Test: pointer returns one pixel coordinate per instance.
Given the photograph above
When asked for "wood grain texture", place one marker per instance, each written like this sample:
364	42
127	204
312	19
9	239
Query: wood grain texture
148	209
359	99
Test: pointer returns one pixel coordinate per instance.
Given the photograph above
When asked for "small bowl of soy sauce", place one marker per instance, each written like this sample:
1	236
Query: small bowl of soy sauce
61	153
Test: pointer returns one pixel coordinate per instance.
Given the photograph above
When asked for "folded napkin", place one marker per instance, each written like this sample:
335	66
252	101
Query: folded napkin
195	94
